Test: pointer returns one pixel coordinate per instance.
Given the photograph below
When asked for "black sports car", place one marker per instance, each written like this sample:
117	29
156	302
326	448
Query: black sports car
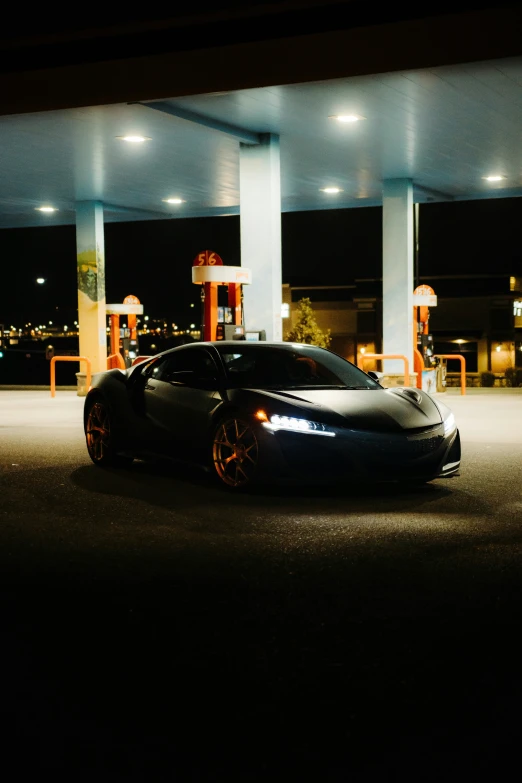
250	411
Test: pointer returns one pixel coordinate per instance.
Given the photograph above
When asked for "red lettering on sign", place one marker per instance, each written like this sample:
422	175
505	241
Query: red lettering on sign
207	258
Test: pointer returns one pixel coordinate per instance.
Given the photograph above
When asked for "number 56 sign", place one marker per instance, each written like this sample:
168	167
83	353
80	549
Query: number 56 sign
207	258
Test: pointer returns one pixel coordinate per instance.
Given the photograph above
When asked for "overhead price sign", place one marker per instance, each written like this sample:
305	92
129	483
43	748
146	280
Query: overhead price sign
207	258
424	296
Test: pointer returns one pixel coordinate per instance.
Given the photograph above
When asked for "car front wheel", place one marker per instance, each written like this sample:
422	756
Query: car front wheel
100	439
235	452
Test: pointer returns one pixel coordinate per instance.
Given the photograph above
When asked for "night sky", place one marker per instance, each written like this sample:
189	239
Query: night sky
153	259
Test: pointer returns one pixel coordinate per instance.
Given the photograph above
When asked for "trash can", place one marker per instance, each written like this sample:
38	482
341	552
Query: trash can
81	380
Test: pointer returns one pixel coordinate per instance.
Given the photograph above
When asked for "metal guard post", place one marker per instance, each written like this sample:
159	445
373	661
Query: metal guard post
462	367
68	359
365	356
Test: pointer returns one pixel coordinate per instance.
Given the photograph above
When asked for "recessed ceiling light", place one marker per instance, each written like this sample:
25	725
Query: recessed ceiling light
173	200
346	117
46	209
134	139
331	190
494	178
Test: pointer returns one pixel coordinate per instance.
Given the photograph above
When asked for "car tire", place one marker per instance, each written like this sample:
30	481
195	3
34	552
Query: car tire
234	452
99	437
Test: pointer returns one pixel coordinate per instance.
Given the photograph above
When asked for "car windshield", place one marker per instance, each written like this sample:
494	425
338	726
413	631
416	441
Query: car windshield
290	367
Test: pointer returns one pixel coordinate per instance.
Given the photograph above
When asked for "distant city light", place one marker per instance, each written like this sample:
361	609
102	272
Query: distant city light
40	280
65	327
331	190
146	317
192	326
134	139
50	323
192	305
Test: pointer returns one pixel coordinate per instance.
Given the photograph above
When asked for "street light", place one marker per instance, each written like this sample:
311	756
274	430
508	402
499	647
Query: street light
40	280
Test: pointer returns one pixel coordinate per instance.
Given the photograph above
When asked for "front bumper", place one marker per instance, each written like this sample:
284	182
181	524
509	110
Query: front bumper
360	456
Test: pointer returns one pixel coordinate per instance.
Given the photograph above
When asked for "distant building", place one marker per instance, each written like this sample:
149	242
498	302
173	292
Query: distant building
478	316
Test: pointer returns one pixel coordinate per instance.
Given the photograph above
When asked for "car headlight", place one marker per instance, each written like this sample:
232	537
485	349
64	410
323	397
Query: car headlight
449	424
291	424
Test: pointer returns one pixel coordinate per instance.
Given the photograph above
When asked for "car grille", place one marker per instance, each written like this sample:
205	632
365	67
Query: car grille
424	445
403	446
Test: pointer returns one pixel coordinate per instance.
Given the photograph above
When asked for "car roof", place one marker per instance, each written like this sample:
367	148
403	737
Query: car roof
235	344
261	344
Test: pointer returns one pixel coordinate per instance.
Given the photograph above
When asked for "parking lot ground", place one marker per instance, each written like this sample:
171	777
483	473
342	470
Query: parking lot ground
155	627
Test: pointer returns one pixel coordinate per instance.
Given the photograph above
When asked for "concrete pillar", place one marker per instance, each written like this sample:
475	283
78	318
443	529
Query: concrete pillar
397	272
483	359
90	259
260	211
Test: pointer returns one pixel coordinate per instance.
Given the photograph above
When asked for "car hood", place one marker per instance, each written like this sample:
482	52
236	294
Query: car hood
377	410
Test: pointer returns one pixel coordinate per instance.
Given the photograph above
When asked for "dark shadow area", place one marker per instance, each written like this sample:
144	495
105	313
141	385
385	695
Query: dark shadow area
166	484
195	667
155	627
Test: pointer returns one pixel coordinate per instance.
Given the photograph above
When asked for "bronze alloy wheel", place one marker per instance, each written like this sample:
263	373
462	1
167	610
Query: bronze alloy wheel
235	452
98	433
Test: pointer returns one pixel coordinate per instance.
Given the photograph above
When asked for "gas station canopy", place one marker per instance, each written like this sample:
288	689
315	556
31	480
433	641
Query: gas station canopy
448	129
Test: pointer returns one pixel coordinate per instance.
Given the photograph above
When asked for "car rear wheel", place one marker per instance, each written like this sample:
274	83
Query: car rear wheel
235	452
100	440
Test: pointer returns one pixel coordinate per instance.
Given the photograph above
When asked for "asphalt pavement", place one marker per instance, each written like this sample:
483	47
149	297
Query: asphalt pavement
155	627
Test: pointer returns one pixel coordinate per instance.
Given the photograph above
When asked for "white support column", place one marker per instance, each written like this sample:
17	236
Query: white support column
90	258
397	272
260	211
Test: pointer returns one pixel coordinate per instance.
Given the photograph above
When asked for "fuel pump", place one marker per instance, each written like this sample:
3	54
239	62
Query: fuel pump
220	321
424	361
124	346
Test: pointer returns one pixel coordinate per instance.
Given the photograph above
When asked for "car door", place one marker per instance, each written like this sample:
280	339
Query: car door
180	395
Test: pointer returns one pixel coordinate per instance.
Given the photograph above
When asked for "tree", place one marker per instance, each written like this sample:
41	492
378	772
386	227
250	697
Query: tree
306	329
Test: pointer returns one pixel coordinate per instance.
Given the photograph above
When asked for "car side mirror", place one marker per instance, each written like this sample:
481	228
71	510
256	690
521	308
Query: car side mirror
375	375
